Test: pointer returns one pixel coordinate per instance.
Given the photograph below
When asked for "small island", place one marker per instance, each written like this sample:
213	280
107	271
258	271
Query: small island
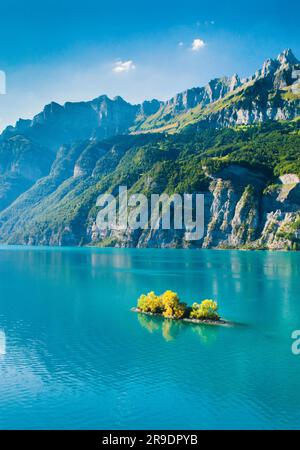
169	306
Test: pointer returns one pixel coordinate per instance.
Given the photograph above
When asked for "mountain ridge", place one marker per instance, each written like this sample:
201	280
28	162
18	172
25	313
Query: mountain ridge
103	117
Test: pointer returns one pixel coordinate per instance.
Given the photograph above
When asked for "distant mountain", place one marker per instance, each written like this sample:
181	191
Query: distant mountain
272	93
237	141
56	125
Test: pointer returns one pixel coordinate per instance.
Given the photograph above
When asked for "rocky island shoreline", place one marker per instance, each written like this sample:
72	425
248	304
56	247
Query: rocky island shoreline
186	319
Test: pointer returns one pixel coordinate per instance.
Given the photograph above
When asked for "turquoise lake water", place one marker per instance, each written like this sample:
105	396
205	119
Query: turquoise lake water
73	355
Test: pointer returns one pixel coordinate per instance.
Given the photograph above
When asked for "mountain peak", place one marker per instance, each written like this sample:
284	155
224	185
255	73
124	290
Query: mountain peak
119	99
287	57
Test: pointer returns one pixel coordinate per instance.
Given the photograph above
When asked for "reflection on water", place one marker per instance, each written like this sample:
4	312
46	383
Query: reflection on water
208	333
169	329
151	324
2	343
172	329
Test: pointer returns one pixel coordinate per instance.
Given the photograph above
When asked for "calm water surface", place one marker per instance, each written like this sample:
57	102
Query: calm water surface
73	355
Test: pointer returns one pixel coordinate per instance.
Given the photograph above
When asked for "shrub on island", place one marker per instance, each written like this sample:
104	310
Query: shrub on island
150	303
169	306
207	309
172	307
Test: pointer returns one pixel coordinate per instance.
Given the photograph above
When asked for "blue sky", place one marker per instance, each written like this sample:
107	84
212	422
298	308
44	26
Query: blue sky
70	51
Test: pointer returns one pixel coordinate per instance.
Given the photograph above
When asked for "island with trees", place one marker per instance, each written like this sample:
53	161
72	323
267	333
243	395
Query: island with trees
169	306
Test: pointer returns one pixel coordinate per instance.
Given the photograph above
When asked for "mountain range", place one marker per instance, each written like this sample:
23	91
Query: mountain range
235	140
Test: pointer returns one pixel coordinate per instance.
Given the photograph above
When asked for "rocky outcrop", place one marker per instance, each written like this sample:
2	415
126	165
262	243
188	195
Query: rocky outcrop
215	90
281	214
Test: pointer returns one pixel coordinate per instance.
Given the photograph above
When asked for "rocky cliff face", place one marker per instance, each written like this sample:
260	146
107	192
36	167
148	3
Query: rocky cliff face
240	212
202	96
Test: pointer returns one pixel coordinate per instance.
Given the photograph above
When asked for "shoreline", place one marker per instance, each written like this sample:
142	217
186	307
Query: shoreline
97	247
221	322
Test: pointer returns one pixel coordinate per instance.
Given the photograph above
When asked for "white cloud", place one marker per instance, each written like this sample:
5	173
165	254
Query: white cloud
197	44
180	44
123	66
